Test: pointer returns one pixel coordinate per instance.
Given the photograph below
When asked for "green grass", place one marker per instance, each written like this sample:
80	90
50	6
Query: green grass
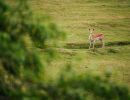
110	17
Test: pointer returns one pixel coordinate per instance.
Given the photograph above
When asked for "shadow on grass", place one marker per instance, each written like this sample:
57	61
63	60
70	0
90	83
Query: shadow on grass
86	45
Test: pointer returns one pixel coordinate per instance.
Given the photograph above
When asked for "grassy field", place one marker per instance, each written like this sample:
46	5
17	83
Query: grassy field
75	17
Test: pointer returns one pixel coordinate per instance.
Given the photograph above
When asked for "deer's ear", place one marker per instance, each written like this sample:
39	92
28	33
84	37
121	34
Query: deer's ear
89	29
93	29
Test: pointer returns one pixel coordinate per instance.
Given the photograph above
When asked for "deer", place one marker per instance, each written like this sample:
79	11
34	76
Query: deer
93	37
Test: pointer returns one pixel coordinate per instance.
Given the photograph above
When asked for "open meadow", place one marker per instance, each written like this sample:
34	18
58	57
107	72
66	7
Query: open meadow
75	17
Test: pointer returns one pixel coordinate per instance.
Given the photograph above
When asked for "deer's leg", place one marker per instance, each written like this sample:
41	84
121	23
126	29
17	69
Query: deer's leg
90	43
103	44
93	44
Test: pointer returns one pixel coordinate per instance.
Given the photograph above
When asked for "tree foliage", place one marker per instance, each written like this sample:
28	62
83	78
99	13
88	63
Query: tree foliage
21	67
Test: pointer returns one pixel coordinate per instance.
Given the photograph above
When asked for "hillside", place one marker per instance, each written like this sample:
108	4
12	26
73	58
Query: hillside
75	17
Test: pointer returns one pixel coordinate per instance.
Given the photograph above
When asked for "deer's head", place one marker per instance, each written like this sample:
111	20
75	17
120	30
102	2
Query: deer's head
91	30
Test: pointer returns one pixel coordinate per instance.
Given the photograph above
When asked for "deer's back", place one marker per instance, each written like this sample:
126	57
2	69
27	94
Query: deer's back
97	36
